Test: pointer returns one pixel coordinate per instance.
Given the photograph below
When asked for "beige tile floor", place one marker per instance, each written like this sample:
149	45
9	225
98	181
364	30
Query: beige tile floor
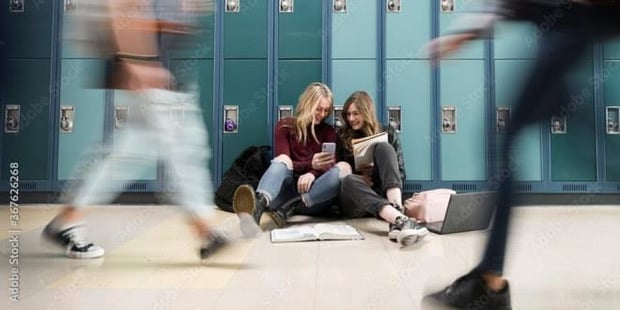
560	257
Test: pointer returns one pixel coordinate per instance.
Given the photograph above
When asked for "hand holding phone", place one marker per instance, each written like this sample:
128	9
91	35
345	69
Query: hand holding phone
326	159
329	147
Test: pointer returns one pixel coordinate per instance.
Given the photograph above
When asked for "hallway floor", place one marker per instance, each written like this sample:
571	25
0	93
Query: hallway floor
560	257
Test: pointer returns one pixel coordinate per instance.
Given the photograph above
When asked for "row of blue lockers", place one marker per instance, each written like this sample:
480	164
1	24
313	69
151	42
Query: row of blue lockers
254	59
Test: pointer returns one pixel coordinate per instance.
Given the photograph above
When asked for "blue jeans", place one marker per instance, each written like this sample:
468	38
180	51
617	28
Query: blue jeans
279	184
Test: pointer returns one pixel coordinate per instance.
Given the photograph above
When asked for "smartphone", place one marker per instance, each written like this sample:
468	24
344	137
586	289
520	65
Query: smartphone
329	147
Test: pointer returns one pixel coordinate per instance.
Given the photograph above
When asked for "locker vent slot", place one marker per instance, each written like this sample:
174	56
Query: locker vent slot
412	187
28	185
465	187
137	186
574	187
524	187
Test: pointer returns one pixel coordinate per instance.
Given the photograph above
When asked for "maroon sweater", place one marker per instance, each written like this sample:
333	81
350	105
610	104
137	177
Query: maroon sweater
301	155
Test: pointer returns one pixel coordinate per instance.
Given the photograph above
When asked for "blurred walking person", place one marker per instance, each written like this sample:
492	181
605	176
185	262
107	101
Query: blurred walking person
163	122
577	24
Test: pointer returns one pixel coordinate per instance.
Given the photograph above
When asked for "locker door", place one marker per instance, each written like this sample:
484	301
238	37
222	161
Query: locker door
245	78
300	44
81	112
515	46
354	50
245	87
447	17
26	119
204	69
407	83
463	118
573	149
612	49
527	154
612	119
27	30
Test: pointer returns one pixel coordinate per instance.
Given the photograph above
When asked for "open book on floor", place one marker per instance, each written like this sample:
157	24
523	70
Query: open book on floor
315	232
363	149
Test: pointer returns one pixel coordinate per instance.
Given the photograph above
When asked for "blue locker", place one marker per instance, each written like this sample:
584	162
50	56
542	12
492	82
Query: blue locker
515	40
85	109
408	86
27	142
408	31
527	158
474	49
463	152
352	75
354	32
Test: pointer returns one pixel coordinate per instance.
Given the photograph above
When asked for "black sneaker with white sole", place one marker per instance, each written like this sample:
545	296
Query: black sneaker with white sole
407	231
74	241
471	292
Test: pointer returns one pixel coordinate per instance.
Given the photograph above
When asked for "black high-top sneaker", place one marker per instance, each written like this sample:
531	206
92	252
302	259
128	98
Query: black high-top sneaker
249	207
245	200
281	214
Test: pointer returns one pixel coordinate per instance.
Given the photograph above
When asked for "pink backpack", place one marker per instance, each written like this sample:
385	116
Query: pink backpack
429	206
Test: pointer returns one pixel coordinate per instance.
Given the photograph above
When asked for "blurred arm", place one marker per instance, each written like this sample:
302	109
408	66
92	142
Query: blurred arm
134	35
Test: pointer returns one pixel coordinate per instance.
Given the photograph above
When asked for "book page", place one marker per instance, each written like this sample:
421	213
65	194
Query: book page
298	233
337	231
363	151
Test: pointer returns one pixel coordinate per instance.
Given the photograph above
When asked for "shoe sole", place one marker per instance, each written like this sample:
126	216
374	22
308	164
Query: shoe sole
409	237
393	234
248	225
243	200
99	252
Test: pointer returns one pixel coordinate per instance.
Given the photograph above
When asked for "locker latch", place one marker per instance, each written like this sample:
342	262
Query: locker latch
446	6
340	6
286	6
67	114
448	119
558	125
393	6
502	117
612	115
12	115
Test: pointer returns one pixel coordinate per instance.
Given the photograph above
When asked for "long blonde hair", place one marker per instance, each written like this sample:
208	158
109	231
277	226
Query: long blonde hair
308	102
366	108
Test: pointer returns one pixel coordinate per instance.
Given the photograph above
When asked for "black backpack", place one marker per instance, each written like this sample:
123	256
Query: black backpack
248	168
